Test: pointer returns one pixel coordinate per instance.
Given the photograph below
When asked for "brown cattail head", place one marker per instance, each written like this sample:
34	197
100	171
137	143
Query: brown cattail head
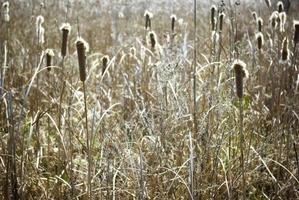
49	57
82	48
273	19
285	54
296	34
152	39
105	61
280	6
5	7
173	20
260	40
65	29
221	18
254	15
148	16
259	24
213	18
240	73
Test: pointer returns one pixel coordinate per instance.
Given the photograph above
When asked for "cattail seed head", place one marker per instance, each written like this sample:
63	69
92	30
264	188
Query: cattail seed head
285	53
105	60
152	39
280	6
254	15
148	16
273	19
221	18
260	40
132	52
213	18
259	24
173	20
82	48
240	73
40	31
49	57
5	7
296	34
65	29
283	19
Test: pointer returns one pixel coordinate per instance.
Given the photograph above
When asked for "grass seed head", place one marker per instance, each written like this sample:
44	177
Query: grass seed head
273	19
268	3
152	39
283	19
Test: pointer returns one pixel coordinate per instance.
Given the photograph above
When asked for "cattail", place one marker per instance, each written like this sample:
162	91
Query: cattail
273	19
5	6
148	16
213	19
173	20
285	53
268	3
152	39
65	29
240	73
132	52
280	6
260	40
283	19
221	18
259	24
82	48
40	31
49	56
296	34
105	61
254	15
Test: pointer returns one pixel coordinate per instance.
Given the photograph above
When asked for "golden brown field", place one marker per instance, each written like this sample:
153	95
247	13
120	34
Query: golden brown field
148	100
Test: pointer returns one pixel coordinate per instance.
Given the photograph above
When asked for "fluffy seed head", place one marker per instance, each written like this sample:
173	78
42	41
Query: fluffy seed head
65	29
173	19
296	34
5	7
285	53
260	40
259	24
240	73
82	47
273	19
105	60
148	16
280	6
213	18
152	39
221	18
49	56
254	15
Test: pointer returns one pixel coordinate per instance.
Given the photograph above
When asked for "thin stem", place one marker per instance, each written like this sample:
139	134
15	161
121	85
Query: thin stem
242	147
88	145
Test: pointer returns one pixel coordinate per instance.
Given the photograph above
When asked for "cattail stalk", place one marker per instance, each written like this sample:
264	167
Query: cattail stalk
82	47
240	73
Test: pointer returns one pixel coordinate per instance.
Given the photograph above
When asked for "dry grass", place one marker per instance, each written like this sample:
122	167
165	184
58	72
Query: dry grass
158	115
